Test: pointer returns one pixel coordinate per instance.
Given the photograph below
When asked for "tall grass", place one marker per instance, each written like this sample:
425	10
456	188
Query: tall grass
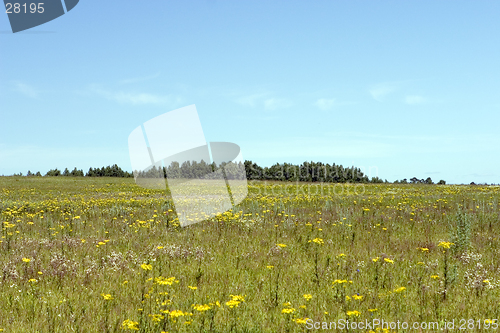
104	255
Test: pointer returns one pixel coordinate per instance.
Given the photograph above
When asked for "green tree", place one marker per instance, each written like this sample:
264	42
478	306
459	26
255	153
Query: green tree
53	173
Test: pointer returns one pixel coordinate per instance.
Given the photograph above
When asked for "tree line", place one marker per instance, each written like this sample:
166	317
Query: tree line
415	180
196	170
305	172
109	171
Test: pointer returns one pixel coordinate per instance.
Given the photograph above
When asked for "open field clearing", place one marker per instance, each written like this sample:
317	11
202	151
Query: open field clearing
105	255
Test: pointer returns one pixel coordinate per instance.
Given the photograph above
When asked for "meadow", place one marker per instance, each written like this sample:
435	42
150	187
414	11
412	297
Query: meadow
82	254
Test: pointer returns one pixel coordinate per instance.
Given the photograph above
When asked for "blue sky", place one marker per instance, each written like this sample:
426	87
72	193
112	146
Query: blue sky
398	88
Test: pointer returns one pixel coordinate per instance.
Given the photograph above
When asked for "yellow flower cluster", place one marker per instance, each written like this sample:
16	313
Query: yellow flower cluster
288	308
107	297
164	281
201	308
235	301
445	245
157	317
399	290
178	313
130	325
317	241
147	267
340	281
300	321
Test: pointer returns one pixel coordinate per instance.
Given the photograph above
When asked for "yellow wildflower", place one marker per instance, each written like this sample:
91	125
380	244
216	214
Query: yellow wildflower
232	303
238	298
107	297
164	281
129	324
339	281
201	308
399	290
445	245
318	241
147	267
157	317
301	321
177	313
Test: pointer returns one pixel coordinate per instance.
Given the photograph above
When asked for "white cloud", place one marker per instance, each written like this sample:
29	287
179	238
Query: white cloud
269	103
26	90
276	103
414	99
251	100
325	104
139	79
137	98
379	92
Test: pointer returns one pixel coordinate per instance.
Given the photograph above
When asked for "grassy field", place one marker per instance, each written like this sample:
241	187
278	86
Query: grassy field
104	255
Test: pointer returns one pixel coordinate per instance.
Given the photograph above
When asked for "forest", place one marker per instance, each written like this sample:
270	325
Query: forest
305	172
